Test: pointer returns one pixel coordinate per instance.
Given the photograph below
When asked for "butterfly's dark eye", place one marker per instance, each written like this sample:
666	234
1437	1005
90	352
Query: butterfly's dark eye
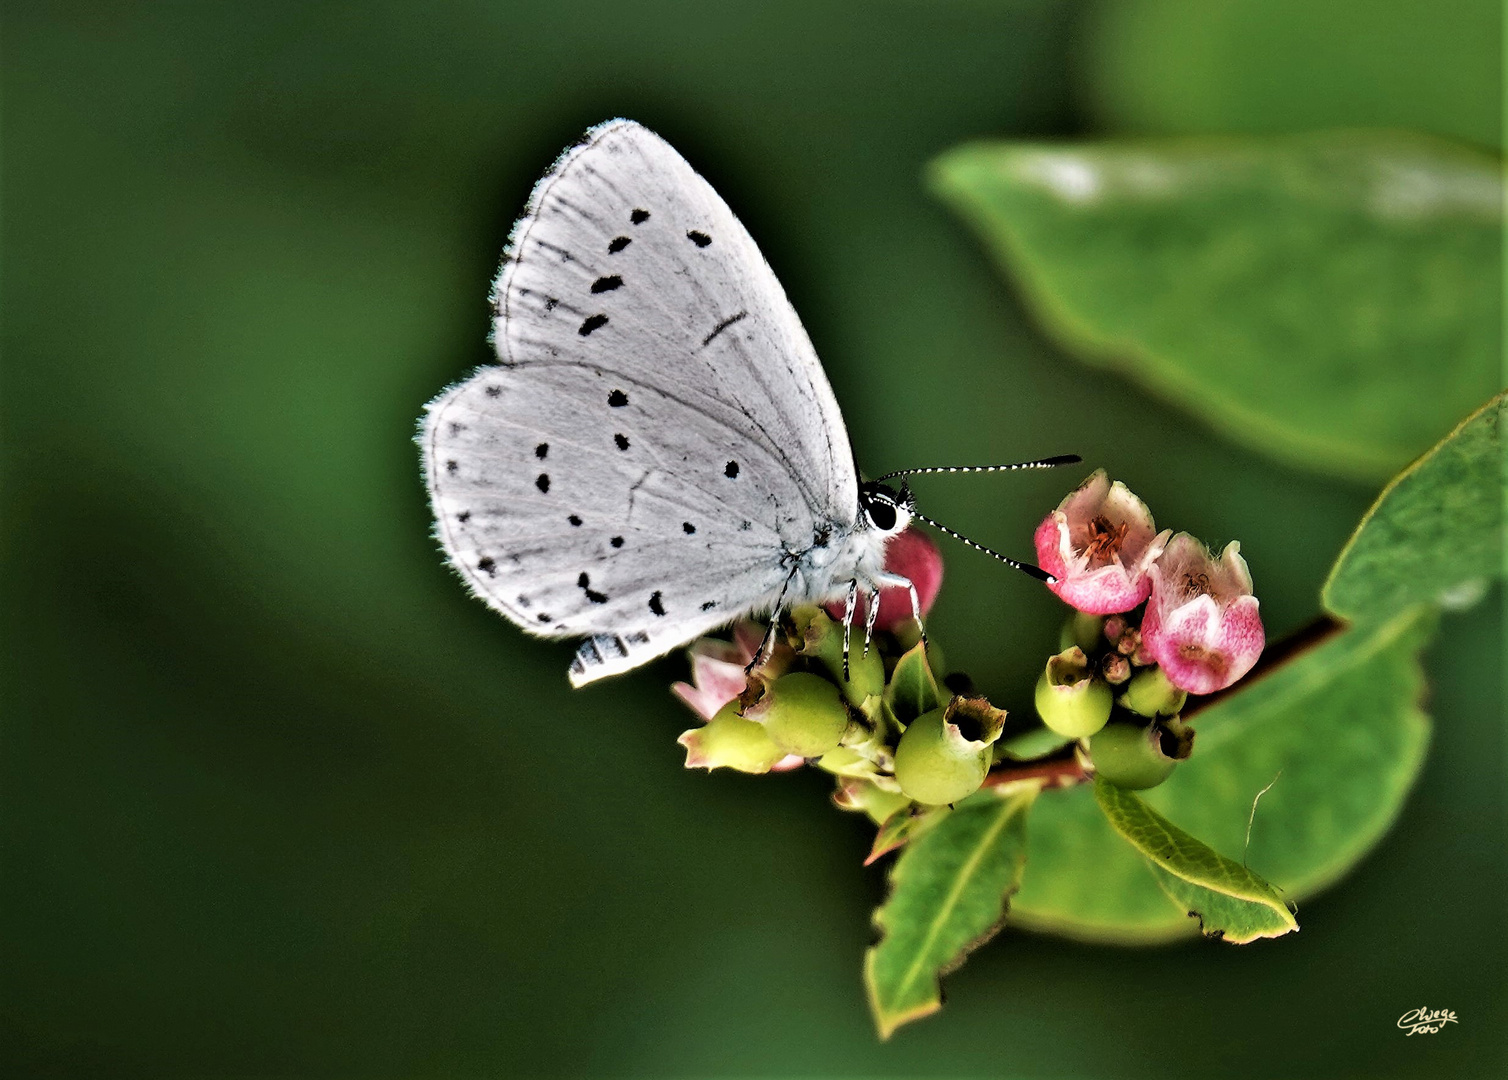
885	507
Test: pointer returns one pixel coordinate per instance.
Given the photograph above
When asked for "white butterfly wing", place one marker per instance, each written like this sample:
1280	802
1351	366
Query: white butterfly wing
659	437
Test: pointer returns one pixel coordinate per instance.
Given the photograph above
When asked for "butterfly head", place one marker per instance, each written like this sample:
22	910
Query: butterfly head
886	510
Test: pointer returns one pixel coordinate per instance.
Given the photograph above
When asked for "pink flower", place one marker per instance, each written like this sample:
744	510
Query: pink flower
911	554
717	676
1099	543
1201	624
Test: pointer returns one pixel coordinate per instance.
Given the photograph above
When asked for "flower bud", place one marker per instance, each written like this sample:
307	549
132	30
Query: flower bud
1115	668
1070	700
730	741
944	755
910	554
1140	756
802	713
1150	694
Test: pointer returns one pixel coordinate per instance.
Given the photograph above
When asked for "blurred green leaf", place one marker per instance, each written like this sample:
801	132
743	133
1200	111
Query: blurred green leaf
1193	67
1331	300
1435	534
1032	743
1339	727
948	895
912	689
1229	900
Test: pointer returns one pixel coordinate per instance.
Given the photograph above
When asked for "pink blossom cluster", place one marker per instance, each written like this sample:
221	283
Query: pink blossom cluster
1201	624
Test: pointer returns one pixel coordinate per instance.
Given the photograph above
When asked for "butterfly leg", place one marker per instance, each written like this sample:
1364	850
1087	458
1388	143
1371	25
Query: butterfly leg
848	610
895	581
871	612
767	644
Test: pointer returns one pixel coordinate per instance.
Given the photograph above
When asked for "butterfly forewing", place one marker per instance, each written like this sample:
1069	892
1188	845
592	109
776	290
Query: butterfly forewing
659	435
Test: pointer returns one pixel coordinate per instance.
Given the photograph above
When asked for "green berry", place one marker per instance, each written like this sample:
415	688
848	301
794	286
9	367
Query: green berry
803	713
935	764
730	741
823	641
1070	700
1149	693
1130	755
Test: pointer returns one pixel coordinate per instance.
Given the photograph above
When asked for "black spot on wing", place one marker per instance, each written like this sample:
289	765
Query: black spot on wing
451	466
575	521
655	604
542	481
618	244
688	528
543	617
709	605
592	322
494	391
731	470
585	584
617	399
622	440
487	566
616	541
541	450
639	217
700	239
607	284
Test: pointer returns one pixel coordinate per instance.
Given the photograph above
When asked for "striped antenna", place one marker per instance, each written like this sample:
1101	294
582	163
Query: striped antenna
1044	463
1026	568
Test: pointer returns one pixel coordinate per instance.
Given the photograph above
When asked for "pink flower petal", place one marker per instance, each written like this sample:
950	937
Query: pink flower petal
1202	625
1098	545
717	672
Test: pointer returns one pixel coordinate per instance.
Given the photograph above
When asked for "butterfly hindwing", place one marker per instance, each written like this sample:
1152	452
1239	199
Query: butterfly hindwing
559	511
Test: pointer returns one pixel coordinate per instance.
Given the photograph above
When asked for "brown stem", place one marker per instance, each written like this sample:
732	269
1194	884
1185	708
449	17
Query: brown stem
1306	637
1062	772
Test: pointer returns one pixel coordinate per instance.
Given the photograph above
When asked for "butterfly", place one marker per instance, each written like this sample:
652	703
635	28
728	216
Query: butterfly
657	451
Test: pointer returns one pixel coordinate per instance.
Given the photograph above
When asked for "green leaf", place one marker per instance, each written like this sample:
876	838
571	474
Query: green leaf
1338	726
1435	534
1332	300
1190	66
1229	900
912	689
948	895
900	827
1032	743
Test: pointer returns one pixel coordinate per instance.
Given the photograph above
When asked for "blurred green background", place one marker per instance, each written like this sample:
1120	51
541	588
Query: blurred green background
278	799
